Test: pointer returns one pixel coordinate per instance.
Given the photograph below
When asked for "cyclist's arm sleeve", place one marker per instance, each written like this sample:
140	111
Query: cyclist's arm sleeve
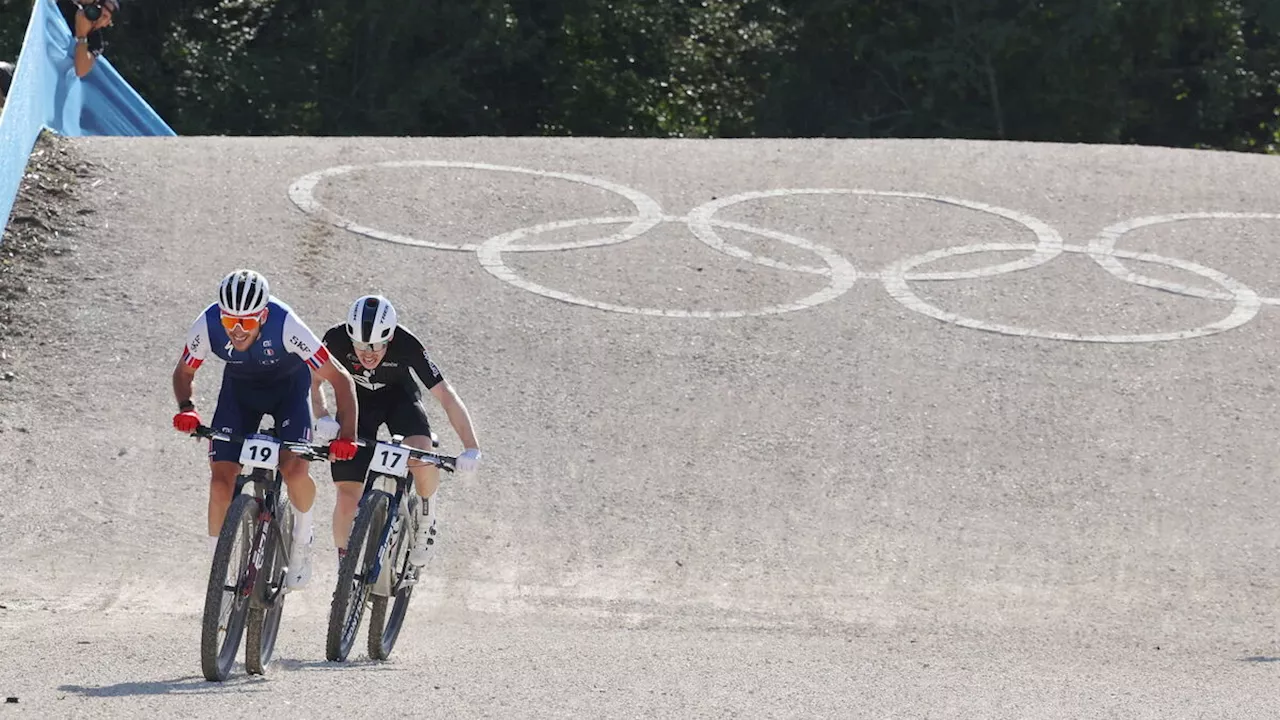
422	364
333	340
299	340
197	347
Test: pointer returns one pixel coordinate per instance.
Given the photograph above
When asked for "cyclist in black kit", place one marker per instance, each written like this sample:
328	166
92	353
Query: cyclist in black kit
379	354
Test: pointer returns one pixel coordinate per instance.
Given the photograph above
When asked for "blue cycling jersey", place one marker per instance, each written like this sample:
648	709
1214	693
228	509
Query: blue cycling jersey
284	345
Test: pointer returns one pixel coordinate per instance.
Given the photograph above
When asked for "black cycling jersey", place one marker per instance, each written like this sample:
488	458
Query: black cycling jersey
404	353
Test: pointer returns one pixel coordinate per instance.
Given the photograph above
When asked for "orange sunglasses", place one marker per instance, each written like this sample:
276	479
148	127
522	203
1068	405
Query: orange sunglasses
248	323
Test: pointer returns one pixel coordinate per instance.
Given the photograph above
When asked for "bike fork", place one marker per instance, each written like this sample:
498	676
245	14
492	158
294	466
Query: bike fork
259	553
382	583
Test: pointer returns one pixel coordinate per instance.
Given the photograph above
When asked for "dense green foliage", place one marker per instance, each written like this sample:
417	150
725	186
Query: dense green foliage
1188	73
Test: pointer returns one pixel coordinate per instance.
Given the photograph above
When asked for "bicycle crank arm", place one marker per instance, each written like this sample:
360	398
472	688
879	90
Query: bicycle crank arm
409	579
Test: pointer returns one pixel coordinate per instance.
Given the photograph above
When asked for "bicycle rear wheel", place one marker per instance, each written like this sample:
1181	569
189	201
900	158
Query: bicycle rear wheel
384	629
268	604
225	602
352	589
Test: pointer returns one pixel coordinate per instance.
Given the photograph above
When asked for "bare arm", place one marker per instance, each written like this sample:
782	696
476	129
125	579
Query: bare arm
318	407
459	418
344	391
184	377
85	59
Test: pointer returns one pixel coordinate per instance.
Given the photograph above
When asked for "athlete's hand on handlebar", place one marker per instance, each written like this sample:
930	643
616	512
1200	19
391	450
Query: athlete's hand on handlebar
186	421
469	461
342	449
327	428
339	449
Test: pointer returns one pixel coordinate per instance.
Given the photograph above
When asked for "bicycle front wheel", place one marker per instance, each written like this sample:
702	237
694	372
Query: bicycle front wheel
352	589
384	629
268	605
226	602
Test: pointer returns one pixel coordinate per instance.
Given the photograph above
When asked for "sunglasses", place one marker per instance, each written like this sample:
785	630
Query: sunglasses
248	323
368	347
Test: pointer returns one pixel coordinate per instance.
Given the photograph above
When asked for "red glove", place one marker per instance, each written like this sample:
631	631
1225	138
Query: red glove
342	449
186	421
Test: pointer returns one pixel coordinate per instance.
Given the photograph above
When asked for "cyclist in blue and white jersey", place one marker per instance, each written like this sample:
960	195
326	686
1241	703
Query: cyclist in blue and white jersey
270	355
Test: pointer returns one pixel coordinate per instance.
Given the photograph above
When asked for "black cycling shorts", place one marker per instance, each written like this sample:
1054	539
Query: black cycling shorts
401	412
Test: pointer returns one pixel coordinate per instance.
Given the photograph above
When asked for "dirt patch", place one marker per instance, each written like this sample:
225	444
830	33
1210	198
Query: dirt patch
46	218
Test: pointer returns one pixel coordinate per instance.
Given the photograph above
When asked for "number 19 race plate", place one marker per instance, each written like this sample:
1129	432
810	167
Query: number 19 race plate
260	451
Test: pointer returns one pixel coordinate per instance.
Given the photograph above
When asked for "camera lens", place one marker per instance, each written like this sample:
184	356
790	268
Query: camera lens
93	12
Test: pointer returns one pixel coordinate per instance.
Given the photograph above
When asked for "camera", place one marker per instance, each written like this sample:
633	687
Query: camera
92	11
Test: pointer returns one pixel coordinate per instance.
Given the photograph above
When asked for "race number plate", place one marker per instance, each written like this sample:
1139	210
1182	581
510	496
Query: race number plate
390	459
260	451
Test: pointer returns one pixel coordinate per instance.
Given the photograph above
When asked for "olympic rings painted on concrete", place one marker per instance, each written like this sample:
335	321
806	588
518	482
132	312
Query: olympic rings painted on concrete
839	273
895	282
648	212
1102	249
1048	245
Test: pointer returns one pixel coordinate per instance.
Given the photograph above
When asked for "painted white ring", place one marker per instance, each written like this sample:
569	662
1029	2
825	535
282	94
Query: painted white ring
1102	249
841	274
1048	242
648	211
1246	307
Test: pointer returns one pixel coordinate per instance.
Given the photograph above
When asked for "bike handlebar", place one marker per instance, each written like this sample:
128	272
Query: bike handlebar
444	462
306	451
309	451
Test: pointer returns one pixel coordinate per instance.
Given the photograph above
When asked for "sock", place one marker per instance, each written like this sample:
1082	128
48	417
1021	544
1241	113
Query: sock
301	526
213	544
427	513
426	519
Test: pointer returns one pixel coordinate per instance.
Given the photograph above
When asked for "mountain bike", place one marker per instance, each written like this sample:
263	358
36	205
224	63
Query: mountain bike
376	568
246	590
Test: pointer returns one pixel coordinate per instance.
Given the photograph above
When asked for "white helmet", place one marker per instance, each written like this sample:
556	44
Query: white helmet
243	292
372	319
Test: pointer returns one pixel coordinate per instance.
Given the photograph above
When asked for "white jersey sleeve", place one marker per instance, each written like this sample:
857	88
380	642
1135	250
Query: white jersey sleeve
197	347
299	340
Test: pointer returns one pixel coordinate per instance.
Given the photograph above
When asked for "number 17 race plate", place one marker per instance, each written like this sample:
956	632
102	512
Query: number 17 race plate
390	459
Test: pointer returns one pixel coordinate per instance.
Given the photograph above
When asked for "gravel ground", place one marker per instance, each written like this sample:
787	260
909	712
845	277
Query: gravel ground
841	507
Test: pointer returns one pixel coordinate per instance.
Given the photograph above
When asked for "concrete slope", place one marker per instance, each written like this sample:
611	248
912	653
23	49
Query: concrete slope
979	430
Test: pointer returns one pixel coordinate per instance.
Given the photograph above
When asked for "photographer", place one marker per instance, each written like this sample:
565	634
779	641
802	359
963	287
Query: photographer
91	17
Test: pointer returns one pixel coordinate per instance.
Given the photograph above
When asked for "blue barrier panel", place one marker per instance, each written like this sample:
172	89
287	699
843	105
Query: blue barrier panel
113	107
46	93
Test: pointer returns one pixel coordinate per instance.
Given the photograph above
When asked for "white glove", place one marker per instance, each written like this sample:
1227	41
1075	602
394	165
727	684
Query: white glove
326	429
468	461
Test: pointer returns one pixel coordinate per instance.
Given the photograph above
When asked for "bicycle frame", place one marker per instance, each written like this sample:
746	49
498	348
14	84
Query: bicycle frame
269	493
388	534
257	524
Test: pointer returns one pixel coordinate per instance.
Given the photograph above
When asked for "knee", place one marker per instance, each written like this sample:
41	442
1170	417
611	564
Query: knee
295	470
223	480
421	469
426	472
